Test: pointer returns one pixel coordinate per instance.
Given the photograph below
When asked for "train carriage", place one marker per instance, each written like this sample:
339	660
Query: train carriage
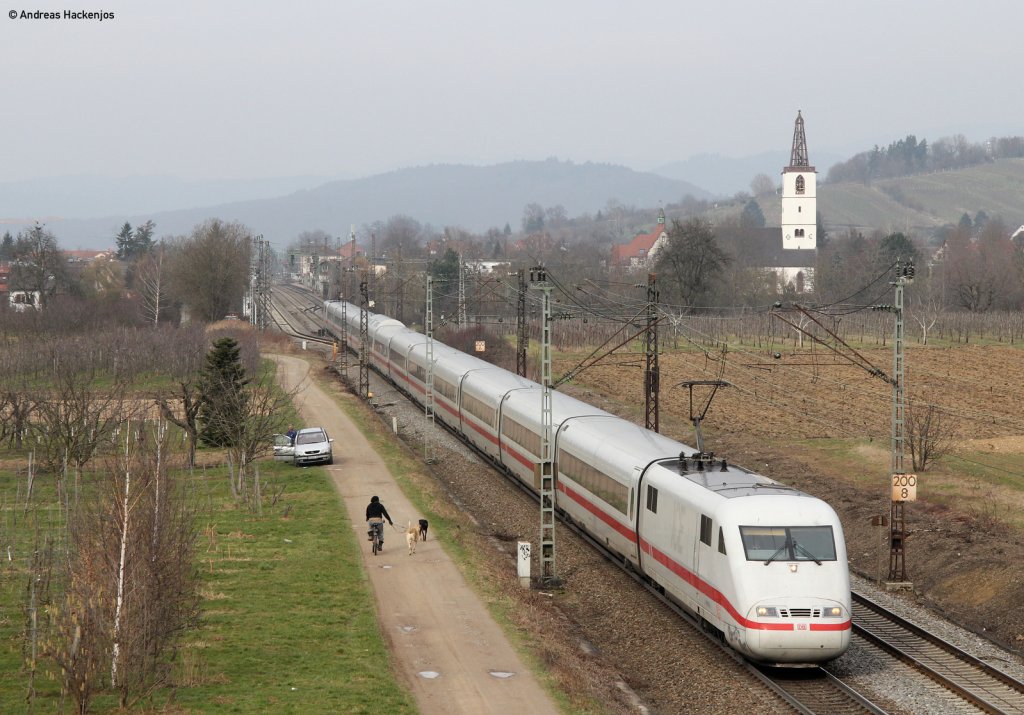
600	460
481	393
448	375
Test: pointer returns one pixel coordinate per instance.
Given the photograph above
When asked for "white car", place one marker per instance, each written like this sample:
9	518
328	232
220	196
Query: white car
313	446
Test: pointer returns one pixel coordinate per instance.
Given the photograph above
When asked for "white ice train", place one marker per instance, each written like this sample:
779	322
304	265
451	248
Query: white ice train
761	563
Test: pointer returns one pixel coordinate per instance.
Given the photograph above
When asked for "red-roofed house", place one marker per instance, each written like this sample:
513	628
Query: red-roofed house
643	249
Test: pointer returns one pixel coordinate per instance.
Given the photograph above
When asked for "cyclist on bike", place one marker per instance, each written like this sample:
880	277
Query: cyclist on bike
376	514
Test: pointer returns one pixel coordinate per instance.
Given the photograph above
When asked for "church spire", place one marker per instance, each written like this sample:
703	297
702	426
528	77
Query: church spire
798	157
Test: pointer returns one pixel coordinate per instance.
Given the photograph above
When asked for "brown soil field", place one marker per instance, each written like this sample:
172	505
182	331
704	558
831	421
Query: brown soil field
813	421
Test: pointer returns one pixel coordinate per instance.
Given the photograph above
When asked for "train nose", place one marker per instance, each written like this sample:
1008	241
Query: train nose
786	631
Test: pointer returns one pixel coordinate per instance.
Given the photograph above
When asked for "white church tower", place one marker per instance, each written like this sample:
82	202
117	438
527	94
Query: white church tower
799	195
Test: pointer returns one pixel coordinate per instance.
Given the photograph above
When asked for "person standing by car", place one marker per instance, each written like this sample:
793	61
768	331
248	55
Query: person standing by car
291	434
376	514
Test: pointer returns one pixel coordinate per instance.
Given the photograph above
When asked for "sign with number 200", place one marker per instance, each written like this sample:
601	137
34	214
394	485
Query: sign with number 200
904	487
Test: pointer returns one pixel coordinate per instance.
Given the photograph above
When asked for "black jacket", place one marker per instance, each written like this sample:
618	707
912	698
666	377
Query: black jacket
375	508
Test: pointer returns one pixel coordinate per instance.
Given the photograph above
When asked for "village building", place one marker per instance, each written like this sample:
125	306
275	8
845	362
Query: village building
643	250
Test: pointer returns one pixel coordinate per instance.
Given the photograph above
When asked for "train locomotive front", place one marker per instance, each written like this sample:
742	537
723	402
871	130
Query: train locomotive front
762	563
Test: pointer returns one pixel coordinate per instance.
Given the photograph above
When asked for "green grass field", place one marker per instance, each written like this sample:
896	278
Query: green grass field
288	622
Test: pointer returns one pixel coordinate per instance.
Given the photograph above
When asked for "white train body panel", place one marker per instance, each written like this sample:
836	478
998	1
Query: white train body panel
702	533
480	397
600	461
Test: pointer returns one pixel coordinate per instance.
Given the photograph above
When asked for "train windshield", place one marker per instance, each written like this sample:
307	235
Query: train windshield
788	543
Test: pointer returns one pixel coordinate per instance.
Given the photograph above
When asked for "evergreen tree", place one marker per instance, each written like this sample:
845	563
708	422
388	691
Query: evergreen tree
752	216
7	247
222	394
124	241
897	246
143	238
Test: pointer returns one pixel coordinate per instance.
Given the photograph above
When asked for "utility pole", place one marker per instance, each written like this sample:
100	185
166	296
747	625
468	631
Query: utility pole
428	397
264	284
400	286
904	486
461	315
652	375
343	365
373	263
364	332
522	332
539	281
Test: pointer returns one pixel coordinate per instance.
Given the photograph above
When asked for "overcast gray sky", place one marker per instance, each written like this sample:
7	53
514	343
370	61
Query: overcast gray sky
222	89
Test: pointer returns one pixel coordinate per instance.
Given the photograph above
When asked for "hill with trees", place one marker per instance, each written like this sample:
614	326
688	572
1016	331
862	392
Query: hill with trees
471	197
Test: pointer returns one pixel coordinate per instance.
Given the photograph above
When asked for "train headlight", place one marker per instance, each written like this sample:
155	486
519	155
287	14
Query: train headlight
768	611
832	612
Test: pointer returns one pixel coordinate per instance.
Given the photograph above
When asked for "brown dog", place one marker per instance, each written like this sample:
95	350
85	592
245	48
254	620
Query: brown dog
411	535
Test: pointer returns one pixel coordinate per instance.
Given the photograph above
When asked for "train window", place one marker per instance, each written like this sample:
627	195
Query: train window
652	499
788	543
705	529
721	541
521	435
478	408
444	387
593	480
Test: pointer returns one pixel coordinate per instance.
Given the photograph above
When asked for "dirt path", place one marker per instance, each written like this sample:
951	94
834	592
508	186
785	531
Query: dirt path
443	641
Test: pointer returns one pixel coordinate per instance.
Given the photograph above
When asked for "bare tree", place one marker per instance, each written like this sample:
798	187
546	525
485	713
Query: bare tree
152	284
19	394
131	588
210	269
81	412
180	406
930	434
39	264
761	185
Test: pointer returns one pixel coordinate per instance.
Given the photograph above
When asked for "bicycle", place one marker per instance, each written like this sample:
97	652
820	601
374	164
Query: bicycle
377	529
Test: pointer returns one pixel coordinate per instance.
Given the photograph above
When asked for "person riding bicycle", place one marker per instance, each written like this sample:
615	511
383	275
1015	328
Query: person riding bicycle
376	514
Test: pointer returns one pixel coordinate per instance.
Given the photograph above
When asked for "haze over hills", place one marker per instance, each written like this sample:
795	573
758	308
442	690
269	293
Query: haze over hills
725	175
83	197
472	197
477	198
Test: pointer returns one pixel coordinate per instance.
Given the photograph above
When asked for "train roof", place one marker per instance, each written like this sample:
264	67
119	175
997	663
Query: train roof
724	479
495	380
609	442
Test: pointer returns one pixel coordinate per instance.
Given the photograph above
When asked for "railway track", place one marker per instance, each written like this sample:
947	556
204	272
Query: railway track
287	302
974	681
